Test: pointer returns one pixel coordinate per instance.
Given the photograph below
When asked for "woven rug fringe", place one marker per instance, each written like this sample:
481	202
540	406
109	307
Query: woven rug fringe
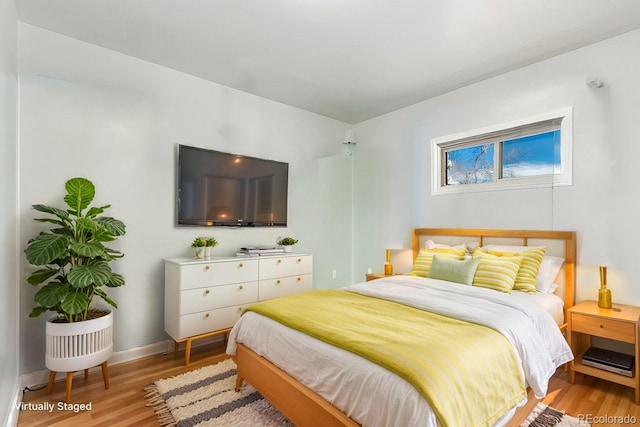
158	404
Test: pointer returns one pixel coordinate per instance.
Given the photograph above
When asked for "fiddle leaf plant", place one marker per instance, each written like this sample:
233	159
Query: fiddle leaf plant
73	257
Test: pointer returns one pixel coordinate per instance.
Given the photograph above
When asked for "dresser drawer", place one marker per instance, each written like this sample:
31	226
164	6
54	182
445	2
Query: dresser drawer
212	297
606	328
285	266
218	273
273	288
208	321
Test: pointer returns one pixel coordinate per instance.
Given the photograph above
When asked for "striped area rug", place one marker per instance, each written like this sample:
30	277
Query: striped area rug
546	416
206	397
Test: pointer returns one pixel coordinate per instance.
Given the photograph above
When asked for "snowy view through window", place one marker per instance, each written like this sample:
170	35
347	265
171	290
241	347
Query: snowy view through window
529	156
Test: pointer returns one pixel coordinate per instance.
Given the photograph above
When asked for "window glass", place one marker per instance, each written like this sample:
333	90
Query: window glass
471	165
533	155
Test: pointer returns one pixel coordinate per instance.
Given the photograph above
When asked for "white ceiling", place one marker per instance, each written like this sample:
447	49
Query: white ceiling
346	59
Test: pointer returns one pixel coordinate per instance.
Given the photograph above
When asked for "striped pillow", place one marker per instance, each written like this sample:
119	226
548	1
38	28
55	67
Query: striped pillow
531	260
422	264
496	272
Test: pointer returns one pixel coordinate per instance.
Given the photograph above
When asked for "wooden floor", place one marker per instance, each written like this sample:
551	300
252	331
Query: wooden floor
123	404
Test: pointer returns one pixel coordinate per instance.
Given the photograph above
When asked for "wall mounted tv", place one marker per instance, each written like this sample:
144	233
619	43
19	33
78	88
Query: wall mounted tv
224	189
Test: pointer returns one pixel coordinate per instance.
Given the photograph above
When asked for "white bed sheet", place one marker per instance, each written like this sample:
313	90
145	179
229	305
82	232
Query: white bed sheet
551	303
369	394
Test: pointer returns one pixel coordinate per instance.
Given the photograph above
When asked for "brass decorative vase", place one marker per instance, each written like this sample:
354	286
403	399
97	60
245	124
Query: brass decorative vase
604	294
388	268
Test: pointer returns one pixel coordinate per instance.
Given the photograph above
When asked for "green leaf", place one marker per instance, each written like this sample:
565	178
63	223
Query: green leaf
91	249
116	280
62	214
114	226
41	275
37	311
95	211
96	273
105	297
46	248
51	220
51	295
75	302
80	194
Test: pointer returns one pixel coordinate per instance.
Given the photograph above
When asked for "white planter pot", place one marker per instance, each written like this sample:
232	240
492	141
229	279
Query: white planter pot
199	252
287	248
207	251
79	345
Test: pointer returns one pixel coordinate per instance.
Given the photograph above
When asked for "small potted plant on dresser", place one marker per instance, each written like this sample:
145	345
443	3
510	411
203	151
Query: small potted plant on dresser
211	243
199	244
75	268
287	243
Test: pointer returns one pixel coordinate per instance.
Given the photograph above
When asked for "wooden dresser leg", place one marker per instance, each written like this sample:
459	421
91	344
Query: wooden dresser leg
105	374
52	378
86	374
69	383
187	352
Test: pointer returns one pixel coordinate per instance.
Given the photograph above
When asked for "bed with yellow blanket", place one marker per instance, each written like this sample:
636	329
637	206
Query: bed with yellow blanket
398	351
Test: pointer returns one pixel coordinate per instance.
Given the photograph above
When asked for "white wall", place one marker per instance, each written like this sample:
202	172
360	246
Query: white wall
87	111
9	316
392	170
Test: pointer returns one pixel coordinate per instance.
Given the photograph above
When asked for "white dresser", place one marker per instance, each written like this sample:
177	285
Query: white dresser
206	297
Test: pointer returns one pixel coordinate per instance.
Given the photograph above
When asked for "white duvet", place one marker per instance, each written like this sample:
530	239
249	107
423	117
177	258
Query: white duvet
373	396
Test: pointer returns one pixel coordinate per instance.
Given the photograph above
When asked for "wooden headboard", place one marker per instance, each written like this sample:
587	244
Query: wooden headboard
559	243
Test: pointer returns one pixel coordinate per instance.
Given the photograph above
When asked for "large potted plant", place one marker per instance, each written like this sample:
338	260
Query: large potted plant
74	261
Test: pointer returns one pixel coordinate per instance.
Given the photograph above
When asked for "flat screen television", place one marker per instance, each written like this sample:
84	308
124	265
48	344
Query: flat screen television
223	189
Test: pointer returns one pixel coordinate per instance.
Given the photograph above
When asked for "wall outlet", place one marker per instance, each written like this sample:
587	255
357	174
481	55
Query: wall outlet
369	270
333	274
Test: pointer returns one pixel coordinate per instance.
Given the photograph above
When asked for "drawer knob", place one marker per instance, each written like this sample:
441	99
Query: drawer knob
240	287
277	282
206	315
206	292
206	267
602	326
241	265
299	259
299	279
239	309
279	261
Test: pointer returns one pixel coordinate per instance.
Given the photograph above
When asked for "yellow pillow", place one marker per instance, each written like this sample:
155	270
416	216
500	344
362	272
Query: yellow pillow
422	263
496	272
531	259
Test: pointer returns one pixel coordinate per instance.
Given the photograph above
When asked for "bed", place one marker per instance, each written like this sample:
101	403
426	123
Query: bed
314	381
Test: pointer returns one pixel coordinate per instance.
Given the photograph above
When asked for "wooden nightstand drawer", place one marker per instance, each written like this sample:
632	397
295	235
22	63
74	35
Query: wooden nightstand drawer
601	327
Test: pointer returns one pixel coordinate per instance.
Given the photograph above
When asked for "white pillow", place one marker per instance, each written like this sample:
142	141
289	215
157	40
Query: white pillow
549	268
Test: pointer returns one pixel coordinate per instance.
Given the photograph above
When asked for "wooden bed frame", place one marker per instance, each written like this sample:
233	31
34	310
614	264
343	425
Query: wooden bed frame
304	407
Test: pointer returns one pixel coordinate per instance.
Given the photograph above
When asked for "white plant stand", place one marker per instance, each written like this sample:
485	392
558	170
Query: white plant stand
78	346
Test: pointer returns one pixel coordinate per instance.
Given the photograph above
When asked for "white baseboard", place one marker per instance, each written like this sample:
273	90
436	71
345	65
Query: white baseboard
14	410
38	378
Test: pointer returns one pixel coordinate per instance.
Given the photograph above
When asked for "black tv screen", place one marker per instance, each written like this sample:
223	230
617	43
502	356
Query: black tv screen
224	189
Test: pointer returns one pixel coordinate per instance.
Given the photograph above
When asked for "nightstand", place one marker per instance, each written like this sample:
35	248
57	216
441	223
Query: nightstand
621	323
374	276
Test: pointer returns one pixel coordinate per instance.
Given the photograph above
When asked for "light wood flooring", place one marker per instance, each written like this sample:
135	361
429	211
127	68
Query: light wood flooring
123	404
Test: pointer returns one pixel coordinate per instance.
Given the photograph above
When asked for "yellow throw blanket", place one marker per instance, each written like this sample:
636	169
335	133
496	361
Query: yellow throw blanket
468	373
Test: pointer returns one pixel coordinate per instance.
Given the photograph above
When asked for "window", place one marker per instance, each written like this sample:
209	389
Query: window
533	152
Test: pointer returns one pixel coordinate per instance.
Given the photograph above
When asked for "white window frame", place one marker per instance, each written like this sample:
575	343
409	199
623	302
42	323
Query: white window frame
563	178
